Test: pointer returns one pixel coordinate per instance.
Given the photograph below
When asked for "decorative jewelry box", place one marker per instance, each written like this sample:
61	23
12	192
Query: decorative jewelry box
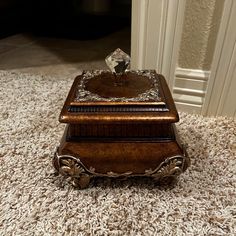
119	125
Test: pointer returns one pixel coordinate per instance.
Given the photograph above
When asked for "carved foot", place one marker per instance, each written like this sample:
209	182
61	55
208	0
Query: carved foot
81	182
169	170
166	181
70	166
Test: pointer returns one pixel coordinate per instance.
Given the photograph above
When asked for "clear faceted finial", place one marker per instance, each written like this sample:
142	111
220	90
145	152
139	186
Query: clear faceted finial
118	61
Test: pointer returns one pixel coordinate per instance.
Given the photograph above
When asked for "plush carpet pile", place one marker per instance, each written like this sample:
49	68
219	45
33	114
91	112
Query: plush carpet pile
34	201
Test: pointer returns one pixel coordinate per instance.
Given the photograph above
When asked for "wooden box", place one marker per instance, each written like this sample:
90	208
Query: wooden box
119	127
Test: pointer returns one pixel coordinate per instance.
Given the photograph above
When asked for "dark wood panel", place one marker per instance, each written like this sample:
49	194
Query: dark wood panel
94	131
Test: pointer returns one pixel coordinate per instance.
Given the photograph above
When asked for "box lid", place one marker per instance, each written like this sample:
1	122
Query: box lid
135	97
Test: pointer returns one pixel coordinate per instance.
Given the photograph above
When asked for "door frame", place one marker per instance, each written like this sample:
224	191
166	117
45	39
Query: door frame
156	34
220	98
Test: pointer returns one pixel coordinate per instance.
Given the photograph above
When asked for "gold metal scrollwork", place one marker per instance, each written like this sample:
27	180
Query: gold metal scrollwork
171	167
71	167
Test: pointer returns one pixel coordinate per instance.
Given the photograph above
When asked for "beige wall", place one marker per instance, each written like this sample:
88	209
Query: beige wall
201	24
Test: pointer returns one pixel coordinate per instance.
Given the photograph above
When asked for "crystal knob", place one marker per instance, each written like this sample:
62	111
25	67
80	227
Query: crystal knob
118	61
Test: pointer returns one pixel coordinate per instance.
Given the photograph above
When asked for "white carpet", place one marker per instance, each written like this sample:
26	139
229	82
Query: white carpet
34	201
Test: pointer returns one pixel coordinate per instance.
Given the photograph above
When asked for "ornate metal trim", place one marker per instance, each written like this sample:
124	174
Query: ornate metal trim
71	166
68	165
83	95
172	166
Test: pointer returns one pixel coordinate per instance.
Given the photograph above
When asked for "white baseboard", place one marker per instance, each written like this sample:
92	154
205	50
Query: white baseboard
192	73
189	108
189	89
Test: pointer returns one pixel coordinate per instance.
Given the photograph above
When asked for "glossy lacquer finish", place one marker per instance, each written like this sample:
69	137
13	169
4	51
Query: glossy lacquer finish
131	136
